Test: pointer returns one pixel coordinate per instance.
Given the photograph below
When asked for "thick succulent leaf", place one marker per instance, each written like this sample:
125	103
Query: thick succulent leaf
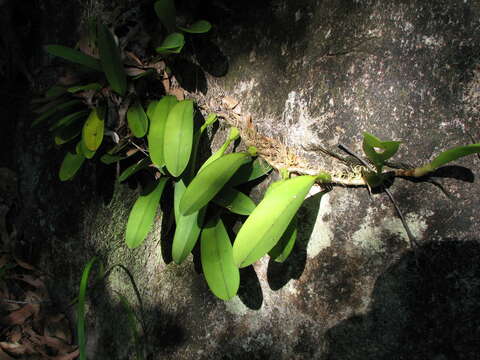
232	136
92	132
158	112
67	133
70	165
172	44
210	181
165	10
371	142
63	106
81	149
137	120
111	60
267	223
454	154
250	172
142	215
187	227
78	88
234	201
178	137
284	246
142	164
68	120
74	56
110	159
199	27
223	277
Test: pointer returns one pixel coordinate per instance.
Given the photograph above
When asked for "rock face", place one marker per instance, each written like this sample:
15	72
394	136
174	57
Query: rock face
309	73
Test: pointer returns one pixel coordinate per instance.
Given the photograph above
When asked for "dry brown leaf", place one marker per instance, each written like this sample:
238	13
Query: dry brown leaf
131	152
166	84
133	71
15	334
178	93
14	348
18	317
134	57
24	264
229	102
35	281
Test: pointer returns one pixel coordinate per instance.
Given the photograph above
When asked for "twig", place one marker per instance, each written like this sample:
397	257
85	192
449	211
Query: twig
138	147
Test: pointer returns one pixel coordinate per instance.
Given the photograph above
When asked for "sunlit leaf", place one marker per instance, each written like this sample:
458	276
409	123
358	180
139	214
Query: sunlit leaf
250	172
137	120
82	149
70	165
165	10
199	27
92	133
210	181
111	60
158	112
221	273
74	56
172	44
187	228
232	136
267	223
178	137
143	214
234	201
388	149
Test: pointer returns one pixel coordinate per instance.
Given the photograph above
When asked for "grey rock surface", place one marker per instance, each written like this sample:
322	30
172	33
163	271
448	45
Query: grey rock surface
309	73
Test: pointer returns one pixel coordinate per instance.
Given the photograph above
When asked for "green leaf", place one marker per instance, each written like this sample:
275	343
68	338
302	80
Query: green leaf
63	106
178	137
250	172
165	10
68	120
211	118
67	133
91	86
232	136
371	142
110	159
111	60
284	246
210	181
221	274
142	215
142	164
92	133
234	201
82	150
82	294
187	227
454	154
158	112
55	91
267	223
74	56
199	27
137	120
70	165
172	44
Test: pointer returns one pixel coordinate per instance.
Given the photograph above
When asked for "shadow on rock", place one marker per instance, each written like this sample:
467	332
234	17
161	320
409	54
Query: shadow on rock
425	306
250	291
279	274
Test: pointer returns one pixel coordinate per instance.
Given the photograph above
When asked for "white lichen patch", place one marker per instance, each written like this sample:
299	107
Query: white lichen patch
322	234
371	233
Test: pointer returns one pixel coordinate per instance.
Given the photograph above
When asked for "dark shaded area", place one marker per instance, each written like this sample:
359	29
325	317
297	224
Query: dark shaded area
425	306
250	291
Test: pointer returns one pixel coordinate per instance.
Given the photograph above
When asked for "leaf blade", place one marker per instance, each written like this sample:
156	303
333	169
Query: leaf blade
165	10
199	27
93	130
74	56
70	165
234	201
137	120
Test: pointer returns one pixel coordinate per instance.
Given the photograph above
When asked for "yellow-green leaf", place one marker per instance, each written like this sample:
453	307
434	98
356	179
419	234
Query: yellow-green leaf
137	120
111	60
187	227
234	201
158	112
199	27
267	223
81	149
210	181
284	246
70	165
249	172
142	215
172	44
221	274
178	137
92	133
